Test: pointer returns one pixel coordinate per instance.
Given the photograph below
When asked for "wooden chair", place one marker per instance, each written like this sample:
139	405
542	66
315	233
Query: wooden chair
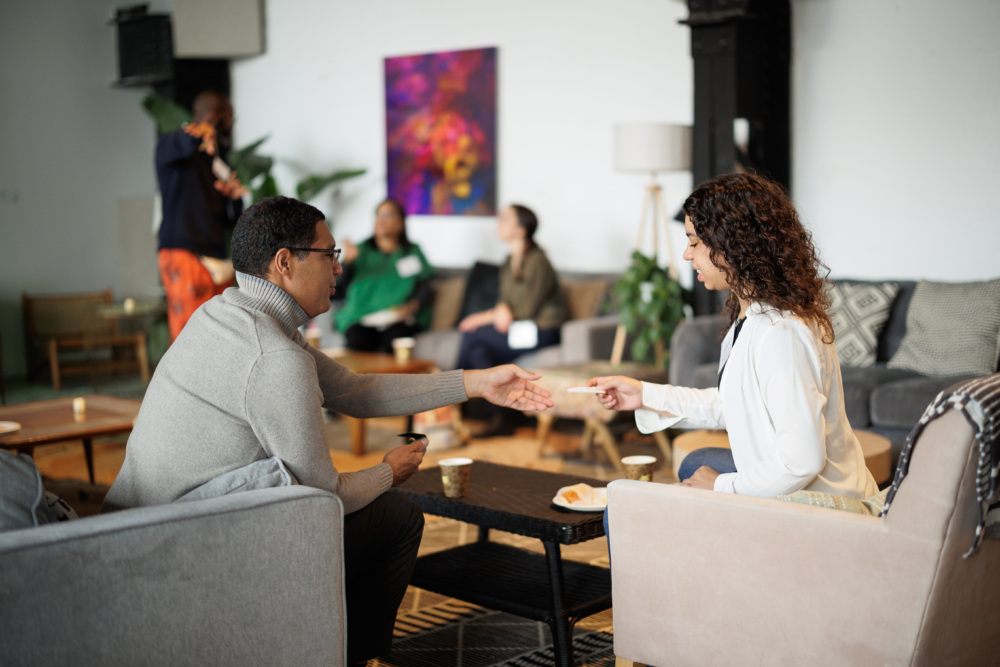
58	323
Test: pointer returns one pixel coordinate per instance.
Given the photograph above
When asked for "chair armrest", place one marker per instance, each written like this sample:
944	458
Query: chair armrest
250	578
588	338
701	577
695	343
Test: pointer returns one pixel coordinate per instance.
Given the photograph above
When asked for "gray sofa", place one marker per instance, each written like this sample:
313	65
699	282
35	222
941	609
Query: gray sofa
459	292
888	401
252	578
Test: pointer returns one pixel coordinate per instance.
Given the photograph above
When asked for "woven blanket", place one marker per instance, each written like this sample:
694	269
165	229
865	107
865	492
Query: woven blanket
979	401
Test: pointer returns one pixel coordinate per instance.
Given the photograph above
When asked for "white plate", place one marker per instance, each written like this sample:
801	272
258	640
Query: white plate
602	492
9	427
381	318
585	390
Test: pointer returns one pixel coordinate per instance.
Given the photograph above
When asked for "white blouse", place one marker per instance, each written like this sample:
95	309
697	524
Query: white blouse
782	401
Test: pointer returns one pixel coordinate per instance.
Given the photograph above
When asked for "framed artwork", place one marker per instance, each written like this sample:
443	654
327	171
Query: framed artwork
440	124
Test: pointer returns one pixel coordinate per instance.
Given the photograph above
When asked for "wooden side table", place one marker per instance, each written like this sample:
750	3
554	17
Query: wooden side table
373	362
46	422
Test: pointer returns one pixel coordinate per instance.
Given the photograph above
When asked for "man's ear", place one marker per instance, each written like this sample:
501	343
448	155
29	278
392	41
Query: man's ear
281	263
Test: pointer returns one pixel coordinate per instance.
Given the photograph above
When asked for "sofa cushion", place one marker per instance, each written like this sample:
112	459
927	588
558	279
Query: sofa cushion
859	383
482	289
22	496
951	329
584	297
858	312
448	294
901	403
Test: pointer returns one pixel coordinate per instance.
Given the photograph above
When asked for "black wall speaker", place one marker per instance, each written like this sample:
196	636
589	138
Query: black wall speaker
145	46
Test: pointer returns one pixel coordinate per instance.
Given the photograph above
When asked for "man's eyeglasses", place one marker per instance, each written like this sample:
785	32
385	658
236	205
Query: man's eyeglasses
333	254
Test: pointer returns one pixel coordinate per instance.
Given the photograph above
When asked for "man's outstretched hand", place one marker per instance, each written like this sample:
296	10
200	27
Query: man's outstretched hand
405	459
508	386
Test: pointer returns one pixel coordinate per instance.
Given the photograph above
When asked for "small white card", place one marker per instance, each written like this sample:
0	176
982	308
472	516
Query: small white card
408	266
522	335
585	390
221	170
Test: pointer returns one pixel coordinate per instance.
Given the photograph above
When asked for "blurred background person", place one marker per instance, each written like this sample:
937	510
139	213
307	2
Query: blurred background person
528	314
202	199
387	285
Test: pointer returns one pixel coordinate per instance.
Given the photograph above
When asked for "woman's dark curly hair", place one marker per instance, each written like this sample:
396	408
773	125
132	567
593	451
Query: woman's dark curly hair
754	234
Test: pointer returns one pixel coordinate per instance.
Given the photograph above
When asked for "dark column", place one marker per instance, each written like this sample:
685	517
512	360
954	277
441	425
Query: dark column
741	51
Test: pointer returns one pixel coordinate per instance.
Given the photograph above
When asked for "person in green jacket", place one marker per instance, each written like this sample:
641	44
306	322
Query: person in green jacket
388	285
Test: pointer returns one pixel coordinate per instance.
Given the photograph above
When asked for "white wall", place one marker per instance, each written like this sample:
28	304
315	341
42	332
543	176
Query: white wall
895	158
896	113
567	72
70	148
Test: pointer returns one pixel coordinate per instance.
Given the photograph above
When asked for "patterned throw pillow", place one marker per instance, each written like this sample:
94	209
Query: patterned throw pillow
951	329
871	505
858	313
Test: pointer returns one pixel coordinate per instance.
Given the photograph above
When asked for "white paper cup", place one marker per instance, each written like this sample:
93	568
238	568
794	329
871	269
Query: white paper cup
402	348
639	467
455	476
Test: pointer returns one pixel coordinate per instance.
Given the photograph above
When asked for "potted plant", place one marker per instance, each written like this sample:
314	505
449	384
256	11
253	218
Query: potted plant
651	305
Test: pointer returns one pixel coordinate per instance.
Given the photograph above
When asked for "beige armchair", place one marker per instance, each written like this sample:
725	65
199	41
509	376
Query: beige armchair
704	578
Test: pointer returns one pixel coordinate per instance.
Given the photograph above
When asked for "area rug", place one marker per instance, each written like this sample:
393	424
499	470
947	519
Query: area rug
452	633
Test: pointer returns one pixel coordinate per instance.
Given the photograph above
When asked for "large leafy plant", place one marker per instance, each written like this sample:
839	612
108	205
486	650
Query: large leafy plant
651	305
252	168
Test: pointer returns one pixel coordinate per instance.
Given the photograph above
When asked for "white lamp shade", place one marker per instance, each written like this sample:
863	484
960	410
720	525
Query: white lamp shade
652	147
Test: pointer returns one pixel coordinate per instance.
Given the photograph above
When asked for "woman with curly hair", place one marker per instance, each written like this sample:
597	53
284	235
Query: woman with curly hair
780	394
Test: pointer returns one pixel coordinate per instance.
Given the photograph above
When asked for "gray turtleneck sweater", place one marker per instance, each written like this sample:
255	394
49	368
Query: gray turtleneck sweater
240	384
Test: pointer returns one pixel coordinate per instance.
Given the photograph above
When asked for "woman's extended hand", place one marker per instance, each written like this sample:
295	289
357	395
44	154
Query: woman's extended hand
509	386
620	392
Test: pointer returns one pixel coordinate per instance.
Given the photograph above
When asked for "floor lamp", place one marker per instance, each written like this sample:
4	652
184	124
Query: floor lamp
651	148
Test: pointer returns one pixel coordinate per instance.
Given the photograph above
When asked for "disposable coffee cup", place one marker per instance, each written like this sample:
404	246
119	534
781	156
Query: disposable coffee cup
313	337
403	347
455	476
639	467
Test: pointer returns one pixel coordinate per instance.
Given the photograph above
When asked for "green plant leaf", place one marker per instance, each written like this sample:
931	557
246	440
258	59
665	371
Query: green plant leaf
312	185
249	164
168	115
267	188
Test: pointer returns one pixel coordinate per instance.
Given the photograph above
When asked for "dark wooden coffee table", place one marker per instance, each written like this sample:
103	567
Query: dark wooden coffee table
372	362
498	576
46	422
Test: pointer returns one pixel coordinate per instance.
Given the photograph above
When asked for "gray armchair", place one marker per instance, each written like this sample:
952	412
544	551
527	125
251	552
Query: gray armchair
253	578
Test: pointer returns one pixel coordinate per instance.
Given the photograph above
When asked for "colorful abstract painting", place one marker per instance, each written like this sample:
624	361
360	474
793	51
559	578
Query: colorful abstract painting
440	120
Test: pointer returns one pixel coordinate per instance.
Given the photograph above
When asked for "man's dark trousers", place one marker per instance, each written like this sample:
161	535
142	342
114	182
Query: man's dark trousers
380	551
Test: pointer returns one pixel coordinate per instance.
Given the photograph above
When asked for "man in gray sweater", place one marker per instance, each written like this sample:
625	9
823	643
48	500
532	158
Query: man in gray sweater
240	384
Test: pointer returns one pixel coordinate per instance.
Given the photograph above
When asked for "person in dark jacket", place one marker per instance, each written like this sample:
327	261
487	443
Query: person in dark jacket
202	199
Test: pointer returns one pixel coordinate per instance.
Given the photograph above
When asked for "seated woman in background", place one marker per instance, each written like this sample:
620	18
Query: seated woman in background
780	393
530	308
388	285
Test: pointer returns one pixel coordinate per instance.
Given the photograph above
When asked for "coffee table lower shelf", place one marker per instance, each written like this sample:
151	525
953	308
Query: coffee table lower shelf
515	581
